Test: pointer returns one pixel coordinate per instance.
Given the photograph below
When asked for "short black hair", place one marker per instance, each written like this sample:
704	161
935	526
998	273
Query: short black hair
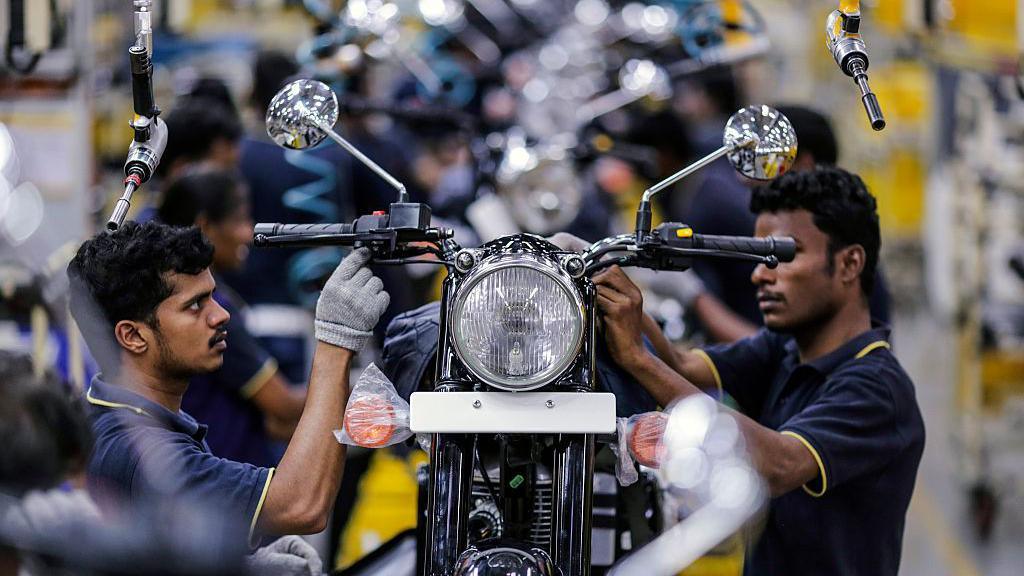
814	133
270	72
119	276
215	194
662	130
44	430
841	205
193	125
212	88
719	82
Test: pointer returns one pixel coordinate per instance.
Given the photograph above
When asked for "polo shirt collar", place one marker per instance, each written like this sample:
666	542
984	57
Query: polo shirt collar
877	336
106	395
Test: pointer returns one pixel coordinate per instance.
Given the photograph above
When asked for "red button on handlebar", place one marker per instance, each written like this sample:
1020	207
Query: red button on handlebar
379	212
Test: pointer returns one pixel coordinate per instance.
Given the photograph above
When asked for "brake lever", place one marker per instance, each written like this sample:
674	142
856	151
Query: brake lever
297	240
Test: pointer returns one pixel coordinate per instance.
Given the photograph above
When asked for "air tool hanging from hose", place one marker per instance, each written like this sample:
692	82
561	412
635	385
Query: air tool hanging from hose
150	133
842	30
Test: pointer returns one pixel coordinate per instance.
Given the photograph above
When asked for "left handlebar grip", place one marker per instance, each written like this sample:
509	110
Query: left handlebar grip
271	230
783	248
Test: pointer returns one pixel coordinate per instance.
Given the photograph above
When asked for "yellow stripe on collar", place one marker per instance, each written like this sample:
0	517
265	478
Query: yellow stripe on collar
871	347
106	404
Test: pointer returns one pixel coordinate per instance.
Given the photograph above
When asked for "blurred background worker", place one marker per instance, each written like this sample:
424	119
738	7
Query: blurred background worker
47	441
515	116
324	184
247	402
44	505
202	133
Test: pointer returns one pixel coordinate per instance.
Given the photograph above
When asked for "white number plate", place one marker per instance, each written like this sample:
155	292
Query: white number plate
513	412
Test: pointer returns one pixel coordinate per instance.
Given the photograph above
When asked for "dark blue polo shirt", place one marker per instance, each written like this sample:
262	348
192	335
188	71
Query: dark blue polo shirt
145	454
223	399
856	412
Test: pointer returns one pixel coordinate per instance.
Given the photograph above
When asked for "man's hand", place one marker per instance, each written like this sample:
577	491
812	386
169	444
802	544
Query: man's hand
351	303
621	305
287	556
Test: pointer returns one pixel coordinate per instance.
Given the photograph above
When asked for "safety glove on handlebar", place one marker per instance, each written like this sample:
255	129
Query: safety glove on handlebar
351	303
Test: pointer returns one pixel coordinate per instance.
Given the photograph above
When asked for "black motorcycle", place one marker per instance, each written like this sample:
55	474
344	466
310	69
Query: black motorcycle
514	414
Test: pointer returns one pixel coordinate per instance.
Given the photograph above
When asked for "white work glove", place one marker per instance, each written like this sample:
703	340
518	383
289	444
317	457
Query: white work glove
45	512
286	556
350	304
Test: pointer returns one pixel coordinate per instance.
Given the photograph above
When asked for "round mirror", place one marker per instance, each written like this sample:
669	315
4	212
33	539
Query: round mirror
774	142
295	111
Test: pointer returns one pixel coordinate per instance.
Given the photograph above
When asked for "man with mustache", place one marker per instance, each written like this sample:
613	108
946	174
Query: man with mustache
143	297
247	402
830	417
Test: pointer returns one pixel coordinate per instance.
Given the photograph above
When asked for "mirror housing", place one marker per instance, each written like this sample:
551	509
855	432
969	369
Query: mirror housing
774	148
297	114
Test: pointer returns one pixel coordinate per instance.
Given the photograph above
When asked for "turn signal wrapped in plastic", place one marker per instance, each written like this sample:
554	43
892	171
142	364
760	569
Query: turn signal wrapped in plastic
646	438
376	416
641	439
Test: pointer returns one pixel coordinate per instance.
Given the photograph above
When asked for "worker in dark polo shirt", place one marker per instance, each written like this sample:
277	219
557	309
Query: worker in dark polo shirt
830	417
143	298
246	402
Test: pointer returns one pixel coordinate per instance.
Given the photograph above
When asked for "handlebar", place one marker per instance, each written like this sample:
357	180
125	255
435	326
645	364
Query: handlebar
782	248
274	230
388	235
673	246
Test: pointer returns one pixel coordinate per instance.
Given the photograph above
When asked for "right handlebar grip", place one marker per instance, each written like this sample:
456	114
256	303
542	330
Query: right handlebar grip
783	248
271	230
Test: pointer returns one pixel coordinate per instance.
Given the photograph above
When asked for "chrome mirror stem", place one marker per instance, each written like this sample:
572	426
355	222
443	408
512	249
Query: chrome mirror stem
403	195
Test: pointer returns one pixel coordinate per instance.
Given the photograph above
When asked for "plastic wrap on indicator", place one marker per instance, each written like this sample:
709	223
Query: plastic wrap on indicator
641	440
376	416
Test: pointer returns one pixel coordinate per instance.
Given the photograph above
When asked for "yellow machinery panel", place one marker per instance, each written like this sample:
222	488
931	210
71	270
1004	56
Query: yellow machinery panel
990	25
385	507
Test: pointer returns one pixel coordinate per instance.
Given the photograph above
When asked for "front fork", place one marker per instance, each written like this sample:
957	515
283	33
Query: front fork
450	495
572	504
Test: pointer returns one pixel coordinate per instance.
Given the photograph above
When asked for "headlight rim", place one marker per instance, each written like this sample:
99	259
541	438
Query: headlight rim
560	277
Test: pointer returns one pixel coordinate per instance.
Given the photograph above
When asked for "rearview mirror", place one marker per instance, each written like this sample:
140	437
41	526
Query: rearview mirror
297	114
774	142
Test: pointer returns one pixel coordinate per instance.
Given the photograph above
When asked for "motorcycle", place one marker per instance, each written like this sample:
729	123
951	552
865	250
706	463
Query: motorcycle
514	413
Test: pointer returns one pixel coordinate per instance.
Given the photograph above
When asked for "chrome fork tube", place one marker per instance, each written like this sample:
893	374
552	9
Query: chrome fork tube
573	500
451	483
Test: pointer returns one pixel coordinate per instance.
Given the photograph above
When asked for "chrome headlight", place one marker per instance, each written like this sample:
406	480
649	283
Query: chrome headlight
517	322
